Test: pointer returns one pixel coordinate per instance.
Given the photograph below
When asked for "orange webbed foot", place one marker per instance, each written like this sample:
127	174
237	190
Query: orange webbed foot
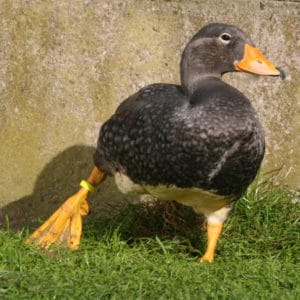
64	226
213	233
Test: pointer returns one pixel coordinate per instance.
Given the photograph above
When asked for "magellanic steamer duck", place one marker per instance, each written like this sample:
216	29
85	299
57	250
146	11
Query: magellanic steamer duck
199	143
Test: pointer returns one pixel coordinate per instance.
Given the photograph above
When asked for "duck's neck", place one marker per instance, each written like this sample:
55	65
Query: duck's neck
196	66
190	81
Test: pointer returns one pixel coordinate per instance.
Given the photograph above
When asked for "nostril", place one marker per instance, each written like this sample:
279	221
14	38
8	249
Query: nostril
259	61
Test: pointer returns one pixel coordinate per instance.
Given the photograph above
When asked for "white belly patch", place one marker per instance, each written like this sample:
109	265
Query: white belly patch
214	207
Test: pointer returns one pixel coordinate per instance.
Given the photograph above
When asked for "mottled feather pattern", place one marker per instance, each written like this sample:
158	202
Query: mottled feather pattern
160	136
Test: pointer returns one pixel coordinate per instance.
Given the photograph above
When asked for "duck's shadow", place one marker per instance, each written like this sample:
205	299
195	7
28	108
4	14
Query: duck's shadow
58	180
110	209
163	219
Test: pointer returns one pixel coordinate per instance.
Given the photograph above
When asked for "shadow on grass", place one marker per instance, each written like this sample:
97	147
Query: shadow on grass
167	220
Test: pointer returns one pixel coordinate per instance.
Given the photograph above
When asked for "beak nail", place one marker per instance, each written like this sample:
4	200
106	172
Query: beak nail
282	73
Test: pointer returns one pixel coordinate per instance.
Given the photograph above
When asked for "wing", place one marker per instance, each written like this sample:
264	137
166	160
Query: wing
138	130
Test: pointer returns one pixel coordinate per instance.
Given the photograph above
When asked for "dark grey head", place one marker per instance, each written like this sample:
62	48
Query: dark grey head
219	48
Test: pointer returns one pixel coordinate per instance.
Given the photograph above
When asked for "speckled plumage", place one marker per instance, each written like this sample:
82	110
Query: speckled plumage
195	142
202	134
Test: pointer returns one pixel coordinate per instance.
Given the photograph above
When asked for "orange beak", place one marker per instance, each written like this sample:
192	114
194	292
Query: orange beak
254	62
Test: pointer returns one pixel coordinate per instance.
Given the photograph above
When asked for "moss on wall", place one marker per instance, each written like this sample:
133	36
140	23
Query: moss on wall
66	65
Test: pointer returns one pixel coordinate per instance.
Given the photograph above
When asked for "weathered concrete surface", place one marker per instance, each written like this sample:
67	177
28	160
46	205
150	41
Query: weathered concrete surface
66	65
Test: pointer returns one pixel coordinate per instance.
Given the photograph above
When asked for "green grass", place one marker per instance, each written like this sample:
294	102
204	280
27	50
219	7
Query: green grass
151	252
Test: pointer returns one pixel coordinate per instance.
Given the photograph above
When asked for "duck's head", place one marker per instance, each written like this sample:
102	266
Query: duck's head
220	48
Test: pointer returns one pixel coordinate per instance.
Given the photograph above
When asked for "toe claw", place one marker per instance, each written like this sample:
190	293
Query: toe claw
206	258
75	232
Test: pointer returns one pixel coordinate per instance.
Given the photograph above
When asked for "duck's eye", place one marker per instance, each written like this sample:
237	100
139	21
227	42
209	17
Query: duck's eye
225	37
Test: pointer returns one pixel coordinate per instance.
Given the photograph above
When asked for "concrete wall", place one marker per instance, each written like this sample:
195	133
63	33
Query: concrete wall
66	65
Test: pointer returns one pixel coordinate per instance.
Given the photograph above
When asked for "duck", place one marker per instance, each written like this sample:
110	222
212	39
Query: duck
199	142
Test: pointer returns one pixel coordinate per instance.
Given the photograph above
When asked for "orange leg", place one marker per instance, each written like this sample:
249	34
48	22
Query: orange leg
213	234
64	226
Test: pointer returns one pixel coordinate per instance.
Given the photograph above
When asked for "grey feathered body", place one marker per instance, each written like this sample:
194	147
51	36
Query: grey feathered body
211	139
